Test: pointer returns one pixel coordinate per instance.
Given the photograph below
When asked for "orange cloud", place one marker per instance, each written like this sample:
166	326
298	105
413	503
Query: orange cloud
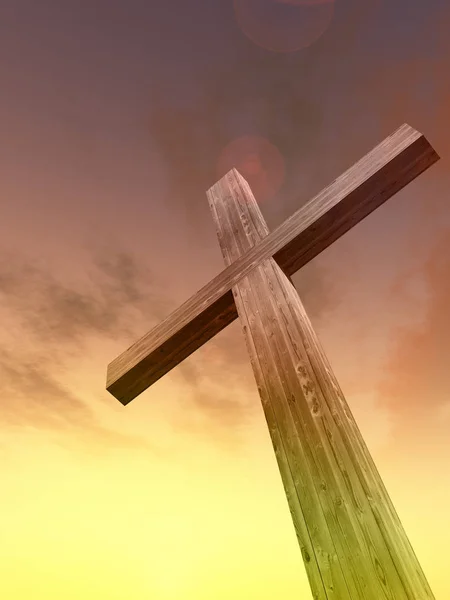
416	384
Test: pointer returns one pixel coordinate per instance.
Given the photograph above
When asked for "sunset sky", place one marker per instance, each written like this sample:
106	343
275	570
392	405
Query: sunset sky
115	118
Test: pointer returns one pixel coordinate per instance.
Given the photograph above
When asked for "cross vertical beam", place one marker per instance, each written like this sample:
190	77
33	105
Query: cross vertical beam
352	542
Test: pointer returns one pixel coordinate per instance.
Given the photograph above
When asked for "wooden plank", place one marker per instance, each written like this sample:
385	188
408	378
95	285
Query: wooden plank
394	163
352	542
350	444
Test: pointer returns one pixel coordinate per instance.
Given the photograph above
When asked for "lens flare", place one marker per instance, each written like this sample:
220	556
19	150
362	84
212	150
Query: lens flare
258	161
283	25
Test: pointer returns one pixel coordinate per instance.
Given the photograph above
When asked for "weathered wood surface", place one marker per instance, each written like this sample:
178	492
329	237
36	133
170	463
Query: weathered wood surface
352	542
385	170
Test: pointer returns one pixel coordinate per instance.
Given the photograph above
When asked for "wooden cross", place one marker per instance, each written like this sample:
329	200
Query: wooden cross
352	542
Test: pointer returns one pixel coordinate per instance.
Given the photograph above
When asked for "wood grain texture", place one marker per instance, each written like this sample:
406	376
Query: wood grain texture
352	542
394	163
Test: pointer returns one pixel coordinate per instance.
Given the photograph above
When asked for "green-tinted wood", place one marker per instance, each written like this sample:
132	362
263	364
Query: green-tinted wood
351	197
353	544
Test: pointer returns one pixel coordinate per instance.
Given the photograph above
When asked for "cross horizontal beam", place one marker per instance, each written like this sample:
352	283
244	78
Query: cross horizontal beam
391	165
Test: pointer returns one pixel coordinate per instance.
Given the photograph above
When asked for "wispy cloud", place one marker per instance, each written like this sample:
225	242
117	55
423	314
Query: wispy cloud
68	316
50	322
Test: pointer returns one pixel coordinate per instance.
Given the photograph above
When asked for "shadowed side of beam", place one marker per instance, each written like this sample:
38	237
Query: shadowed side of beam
328	224
394	163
